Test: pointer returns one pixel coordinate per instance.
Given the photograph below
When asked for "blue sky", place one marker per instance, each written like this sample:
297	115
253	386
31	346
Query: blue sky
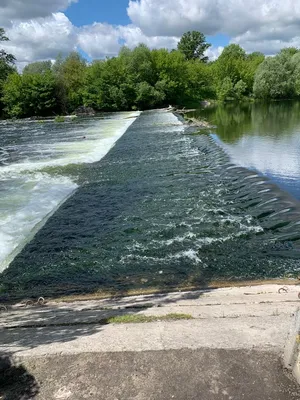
40	29
90	11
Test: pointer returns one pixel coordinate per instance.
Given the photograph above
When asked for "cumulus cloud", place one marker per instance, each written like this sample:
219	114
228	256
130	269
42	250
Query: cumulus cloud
211	16
132	36
11	10
245	21
38	30
99	40
41	38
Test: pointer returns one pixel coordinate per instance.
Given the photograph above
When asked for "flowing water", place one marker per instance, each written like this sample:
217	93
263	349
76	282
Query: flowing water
164	208
28	194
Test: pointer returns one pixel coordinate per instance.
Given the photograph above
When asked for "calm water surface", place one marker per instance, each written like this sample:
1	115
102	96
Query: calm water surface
261	137
166	207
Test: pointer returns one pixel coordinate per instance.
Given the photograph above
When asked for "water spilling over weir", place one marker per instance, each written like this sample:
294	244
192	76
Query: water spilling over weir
164	208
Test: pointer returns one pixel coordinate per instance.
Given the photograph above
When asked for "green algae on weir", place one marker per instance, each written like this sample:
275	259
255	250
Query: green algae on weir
161	210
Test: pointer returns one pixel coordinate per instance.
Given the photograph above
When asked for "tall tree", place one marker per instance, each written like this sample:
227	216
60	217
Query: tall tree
193	45
6	60
6	64
71	73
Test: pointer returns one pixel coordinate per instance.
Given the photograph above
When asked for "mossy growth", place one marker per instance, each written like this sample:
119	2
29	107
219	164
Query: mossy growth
136	318
59	118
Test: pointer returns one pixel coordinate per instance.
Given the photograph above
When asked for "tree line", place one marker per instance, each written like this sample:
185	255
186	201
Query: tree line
142	78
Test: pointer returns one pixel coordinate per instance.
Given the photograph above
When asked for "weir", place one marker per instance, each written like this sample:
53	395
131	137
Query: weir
39	164
165	208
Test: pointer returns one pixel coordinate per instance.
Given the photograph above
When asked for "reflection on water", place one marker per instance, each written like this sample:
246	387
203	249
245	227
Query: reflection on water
263	137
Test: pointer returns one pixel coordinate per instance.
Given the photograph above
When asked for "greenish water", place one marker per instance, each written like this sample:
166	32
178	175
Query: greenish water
166	208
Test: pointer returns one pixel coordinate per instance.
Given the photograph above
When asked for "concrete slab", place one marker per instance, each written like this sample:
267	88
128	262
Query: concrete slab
231	349
202	374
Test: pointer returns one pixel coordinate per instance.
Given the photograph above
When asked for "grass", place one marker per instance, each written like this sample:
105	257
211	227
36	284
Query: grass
119	319
59	118
132	319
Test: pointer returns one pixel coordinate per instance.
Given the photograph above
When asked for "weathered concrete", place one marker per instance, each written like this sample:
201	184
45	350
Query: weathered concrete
231	349
202	374
292	348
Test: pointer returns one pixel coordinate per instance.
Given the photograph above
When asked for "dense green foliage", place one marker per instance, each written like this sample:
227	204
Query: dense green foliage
193	45
31	94
6	65
39	67
279	77
142	78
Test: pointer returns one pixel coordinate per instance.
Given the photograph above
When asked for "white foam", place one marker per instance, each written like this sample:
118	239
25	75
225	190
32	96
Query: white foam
88	145
33	200
30	196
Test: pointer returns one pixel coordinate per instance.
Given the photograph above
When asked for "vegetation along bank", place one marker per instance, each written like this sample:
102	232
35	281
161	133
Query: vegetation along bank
141	78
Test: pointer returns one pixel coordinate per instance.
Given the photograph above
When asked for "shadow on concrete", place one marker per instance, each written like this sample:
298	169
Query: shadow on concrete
16	383
36	326
30	330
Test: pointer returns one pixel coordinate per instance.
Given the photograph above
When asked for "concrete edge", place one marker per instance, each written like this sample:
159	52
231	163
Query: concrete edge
291	357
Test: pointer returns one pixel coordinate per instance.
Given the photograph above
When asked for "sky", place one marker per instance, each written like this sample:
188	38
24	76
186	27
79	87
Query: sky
40	29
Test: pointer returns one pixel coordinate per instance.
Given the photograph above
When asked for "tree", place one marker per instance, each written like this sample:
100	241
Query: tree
6	64
138	64
250	65
235	64
193	45
226	90
39	67
274	79
230	63
171	74
288	52
71	73
30	94
6	60
295	62
239	90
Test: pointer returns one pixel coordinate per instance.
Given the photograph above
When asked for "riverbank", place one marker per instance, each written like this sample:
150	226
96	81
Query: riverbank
231	345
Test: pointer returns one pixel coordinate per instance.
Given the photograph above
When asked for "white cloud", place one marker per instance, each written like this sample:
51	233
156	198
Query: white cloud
268	47
41	38
269	40
38	30
211	16
214	52
172	18
12	10
133	35
99	40
245	21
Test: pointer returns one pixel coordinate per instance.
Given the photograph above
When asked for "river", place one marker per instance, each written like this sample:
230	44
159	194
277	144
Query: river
166	207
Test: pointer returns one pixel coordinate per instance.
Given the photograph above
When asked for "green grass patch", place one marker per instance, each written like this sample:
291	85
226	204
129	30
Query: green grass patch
132	319
59	118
